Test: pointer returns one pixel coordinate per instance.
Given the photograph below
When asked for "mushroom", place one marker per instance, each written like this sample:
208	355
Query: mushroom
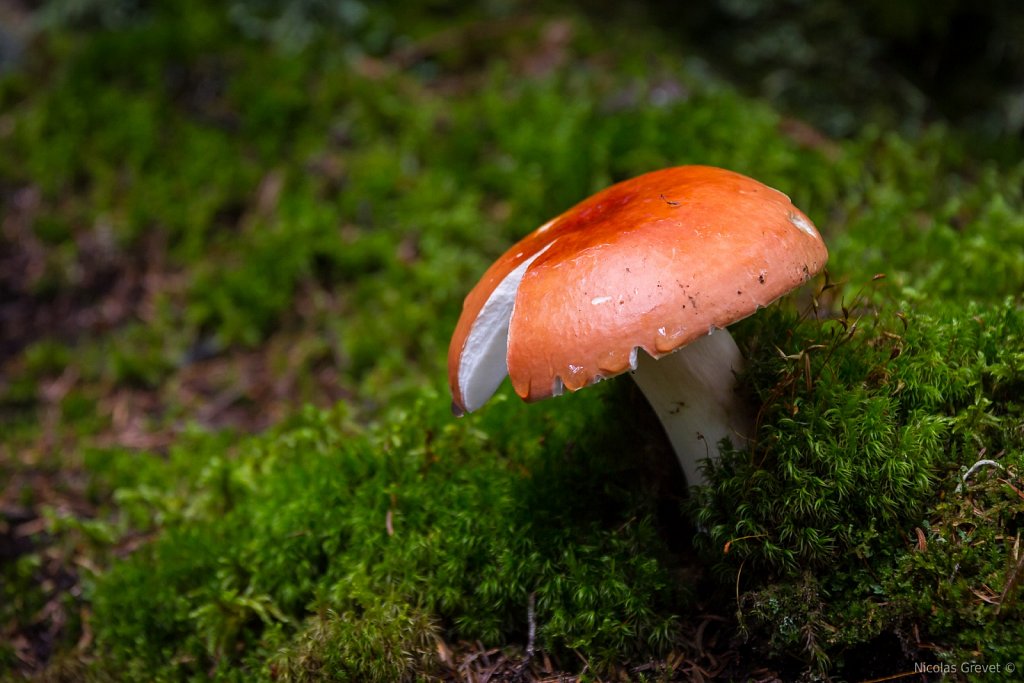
660	263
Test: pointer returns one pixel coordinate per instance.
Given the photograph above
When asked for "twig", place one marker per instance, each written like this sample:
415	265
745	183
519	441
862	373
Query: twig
531	635
739	572
1014	576
728	544
586	663
974	468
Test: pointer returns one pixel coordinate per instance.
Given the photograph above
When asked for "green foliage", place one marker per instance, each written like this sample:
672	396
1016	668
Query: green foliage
972	542
20	599
840	64
854	420
383	641
321	538
866	432
376	532
899	221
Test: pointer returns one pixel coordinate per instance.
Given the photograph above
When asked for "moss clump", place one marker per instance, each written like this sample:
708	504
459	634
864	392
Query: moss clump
383	641
859	420
849	517
327	549
374	542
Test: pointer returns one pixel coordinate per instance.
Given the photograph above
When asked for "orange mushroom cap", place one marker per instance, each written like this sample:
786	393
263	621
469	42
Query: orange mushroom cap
652	262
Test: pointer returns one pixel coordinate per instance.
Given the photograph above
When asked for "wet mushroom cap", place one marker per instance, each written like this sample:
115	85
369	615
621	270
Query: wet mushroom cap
652	263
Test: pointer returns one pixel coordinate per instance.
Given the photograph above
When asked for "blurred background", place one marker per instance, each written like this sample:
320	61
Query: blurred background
215	182
215	213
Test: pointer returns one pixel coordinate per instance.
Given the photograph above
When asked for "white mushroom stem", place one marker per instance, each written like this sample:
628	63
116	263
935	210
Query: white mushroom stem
693	392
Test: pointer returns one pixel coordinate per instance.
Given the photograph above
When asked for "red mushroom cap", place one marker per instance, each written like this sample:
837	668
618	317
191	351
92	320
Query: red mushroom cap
653	263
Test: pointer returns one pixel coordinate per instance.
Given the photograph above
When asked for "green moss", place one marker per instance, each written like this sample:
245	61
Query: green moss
423	516
865	435
424	528
382	641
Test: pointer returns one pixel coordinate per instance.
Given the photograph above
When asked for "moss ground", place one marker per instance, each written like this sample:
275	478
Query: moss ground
234	245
